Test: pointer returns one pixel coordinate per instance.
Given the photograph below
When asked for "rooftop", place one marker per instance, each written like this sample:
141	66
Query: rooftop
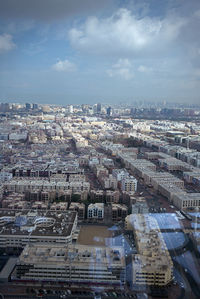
36	222
97	257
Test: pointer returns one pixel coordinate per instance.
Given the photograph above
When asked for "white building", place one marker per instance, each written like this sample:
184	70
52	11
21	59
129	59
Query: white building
96	211
5	176
109	182
120	174
129	184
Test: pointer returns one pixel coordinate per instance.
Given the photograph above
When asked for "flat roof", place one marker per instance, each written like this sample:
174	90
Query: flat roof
32	222
59	255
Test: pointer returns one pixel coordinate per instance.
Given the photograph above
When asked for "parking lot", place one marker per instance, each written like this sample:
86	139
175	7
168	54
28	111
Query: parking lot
94	235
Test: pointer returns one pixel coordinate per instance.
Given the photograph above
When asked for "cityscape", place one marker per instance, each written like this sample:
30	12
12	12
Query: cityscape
96	202
99	149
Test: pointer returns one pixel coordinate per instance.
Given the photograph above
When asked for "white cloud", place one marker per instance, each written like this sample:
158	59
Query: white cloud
144	69
123	69
124	33
64	66
6	43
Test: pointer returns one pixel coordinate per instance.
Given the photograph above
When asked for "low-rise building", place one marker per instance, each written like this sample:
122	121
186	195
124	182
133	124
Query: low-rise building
59	206
120	174
72	264
18	228
96	211
186	200
152	265
112	196
79	208
109	182
97	195
119	212
129	184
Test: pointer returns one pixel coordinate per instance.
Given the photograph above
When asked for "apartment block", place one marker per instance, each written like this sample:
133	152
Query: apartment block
119	212
112	196
152	265
96	211
120	174
129	184
79	208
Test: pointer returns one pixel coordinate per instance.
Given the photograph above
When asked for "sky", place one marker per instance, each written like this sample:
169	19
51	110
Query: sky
110	51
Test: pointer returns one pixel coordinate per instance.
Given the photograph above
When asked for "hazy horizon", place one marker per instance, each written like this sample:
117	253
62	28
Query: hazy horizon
109	51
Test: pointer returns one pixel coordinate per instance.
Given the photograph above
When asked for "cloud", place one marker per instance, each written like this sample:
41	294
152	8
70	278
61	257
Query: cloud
6	43
144	69
125	34
64	66
123	69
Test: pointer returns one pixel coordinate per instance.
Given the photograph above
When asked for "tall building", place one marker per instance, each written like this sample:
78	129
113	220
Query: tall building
99	108
35	106
109	111
4	107
71	109
28	106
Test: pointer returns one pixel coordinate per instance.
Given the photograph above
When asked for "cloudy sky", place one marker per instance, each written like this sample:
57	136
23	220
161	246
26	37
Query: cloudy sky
86	51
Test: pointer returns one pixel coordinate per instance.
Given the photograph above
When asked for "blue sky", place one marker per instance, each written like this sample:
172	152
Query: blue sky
75	51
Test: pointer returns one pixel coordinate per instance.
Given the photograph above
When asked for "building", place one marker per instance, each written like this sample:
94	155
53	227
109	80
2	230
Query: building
19	228
25	185
28	106
5	176
109	111
71	109
112	196
119	212
59	206
72	264
152	265
129	184
99	108
96	211
120	174
186	200
35	106
109	182
97	195
79	208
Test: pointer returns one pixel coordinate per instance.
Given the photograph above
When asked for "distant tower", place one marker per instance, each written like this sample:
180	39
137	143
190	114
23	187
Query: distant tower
94	108
71	109
35	106
109	111
98	108
28	106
